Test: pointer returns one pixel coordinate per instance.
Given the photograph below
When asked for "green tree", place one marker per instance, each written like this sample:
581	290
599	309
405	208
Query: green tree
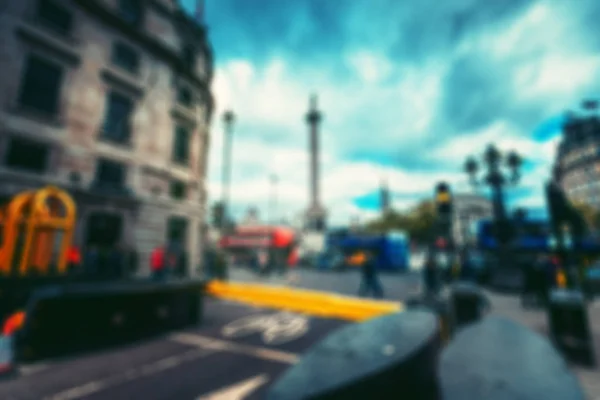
417	222
421	220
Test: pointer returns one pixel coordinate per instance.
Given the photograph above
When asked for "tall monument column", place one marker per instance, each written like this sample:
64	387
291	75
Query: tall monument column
315	215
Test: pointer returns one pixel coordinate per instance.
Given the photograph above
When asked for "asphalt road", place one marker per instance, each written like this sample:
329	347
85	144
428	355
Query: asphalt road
396	286
222	361
209	362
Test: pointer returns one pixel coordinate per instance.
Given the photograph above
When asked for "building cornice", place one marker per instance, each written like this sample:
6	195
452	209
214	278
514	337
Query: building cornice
108	17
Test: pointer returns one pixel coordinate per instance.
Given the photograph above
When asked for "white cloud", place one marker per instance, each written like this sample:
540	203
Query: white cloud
372	116
370	67
276	98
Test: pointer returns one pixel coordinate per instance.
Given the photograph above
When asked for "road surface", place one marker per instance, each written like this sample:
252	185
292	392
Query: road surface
237	353
402	286
229	357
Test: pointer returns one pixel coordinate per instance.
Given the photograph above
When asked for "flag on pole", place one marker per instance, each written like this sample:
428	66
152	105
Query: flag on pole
199	14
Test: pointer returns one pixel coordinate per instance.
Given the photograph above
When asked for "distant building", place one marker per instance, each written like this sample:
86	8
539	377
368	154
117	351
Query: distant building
577	164
110	100
468	209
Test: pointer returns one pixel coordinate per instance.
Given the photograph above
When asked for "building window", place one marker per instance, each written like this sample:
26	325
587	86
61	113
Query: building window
131	11
40	88
55	16
181	148
27	155
126	57
178	190
184	97
177	230
117	121
110	174
189	57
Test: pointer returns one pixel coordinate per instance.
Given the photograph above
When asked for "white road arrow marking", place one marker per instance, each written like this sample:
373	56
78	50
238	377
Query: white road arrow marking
237	391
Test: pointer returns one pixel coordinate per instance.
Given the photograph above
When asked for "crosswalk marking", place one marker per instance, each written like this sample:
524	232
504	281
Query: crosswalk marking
224	345
237	391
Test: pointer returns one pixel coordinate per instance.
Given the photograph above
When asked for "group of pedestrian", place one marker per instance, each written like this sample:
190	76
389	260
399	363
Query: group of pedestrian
215	263
103	262
168	261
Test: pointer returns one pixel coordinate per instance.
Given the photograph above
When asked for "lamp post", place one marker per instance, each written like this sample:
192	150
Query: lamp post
228	121
273	180
497	178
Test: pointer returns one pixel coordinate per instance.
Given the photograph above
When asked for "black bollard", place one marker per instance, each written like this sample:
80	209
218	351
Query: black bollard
439	307
569	325
497	359
389	357
468	303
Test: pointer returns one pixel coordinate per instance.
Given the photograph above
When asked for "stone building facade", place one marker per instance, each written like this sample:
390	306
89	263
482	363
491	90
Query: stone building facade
577	164
468	209
110	100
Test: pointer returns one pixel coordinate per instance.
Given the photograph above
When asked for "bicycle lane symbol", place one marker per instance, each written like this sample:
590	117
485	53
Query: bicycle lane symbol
275	329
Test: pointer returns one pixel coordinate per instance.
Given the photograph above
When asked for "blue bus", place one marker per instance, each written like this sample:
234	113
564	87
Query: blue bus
392	249
532	236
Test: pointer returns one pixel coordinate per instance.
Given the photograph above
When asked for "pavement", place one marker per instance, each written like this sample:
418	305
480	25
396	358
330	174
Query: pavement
402	286
237	353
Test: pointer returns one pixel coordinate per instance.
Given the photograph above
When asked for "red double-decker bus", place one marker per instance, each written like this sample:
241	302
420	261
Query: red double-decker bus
247	243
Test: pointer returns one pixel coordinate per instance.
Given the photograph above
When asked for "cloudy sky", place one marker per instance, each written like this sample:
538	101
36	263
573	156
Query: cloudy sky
408	90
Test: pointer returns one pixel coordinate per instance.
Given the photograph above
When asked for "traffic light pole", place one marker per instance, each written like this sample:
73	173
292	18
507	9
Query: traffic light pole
564	216
443	227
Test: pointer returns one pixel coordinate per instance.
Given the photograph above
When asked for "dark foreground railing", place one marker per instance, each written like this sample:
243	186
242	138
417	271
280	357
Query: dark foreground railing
400	357
68	318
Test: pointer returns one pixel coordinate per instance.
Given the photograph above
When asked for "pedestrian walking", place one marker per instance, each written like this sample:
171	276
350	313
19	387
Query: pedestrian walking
116	262
292	262
91	261
430	275
158	263
532	291
467	269
370	283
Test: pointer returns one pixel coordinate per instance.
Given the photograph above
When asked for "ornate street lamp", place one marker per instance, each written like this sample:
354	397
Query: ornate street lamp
496	178
501	170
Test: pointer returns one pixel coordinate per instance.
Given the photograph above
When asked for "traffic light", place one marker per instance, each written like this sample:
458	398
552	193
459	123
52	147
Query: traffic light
443	199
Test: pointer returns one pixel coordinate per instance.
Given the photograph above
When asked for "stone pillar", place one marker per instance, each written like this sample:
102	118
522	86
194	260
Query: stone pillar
315	216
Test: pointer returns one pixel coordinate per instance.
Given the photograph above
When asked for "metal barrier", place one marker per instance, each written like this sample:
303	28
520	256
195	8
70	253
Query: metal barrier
67	319
394	356
569	325
499	359
441	308
303	301
468	303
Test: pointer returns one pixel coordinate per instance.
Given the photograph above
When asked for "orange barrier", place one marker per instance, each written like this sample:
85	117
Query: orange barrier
36	219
